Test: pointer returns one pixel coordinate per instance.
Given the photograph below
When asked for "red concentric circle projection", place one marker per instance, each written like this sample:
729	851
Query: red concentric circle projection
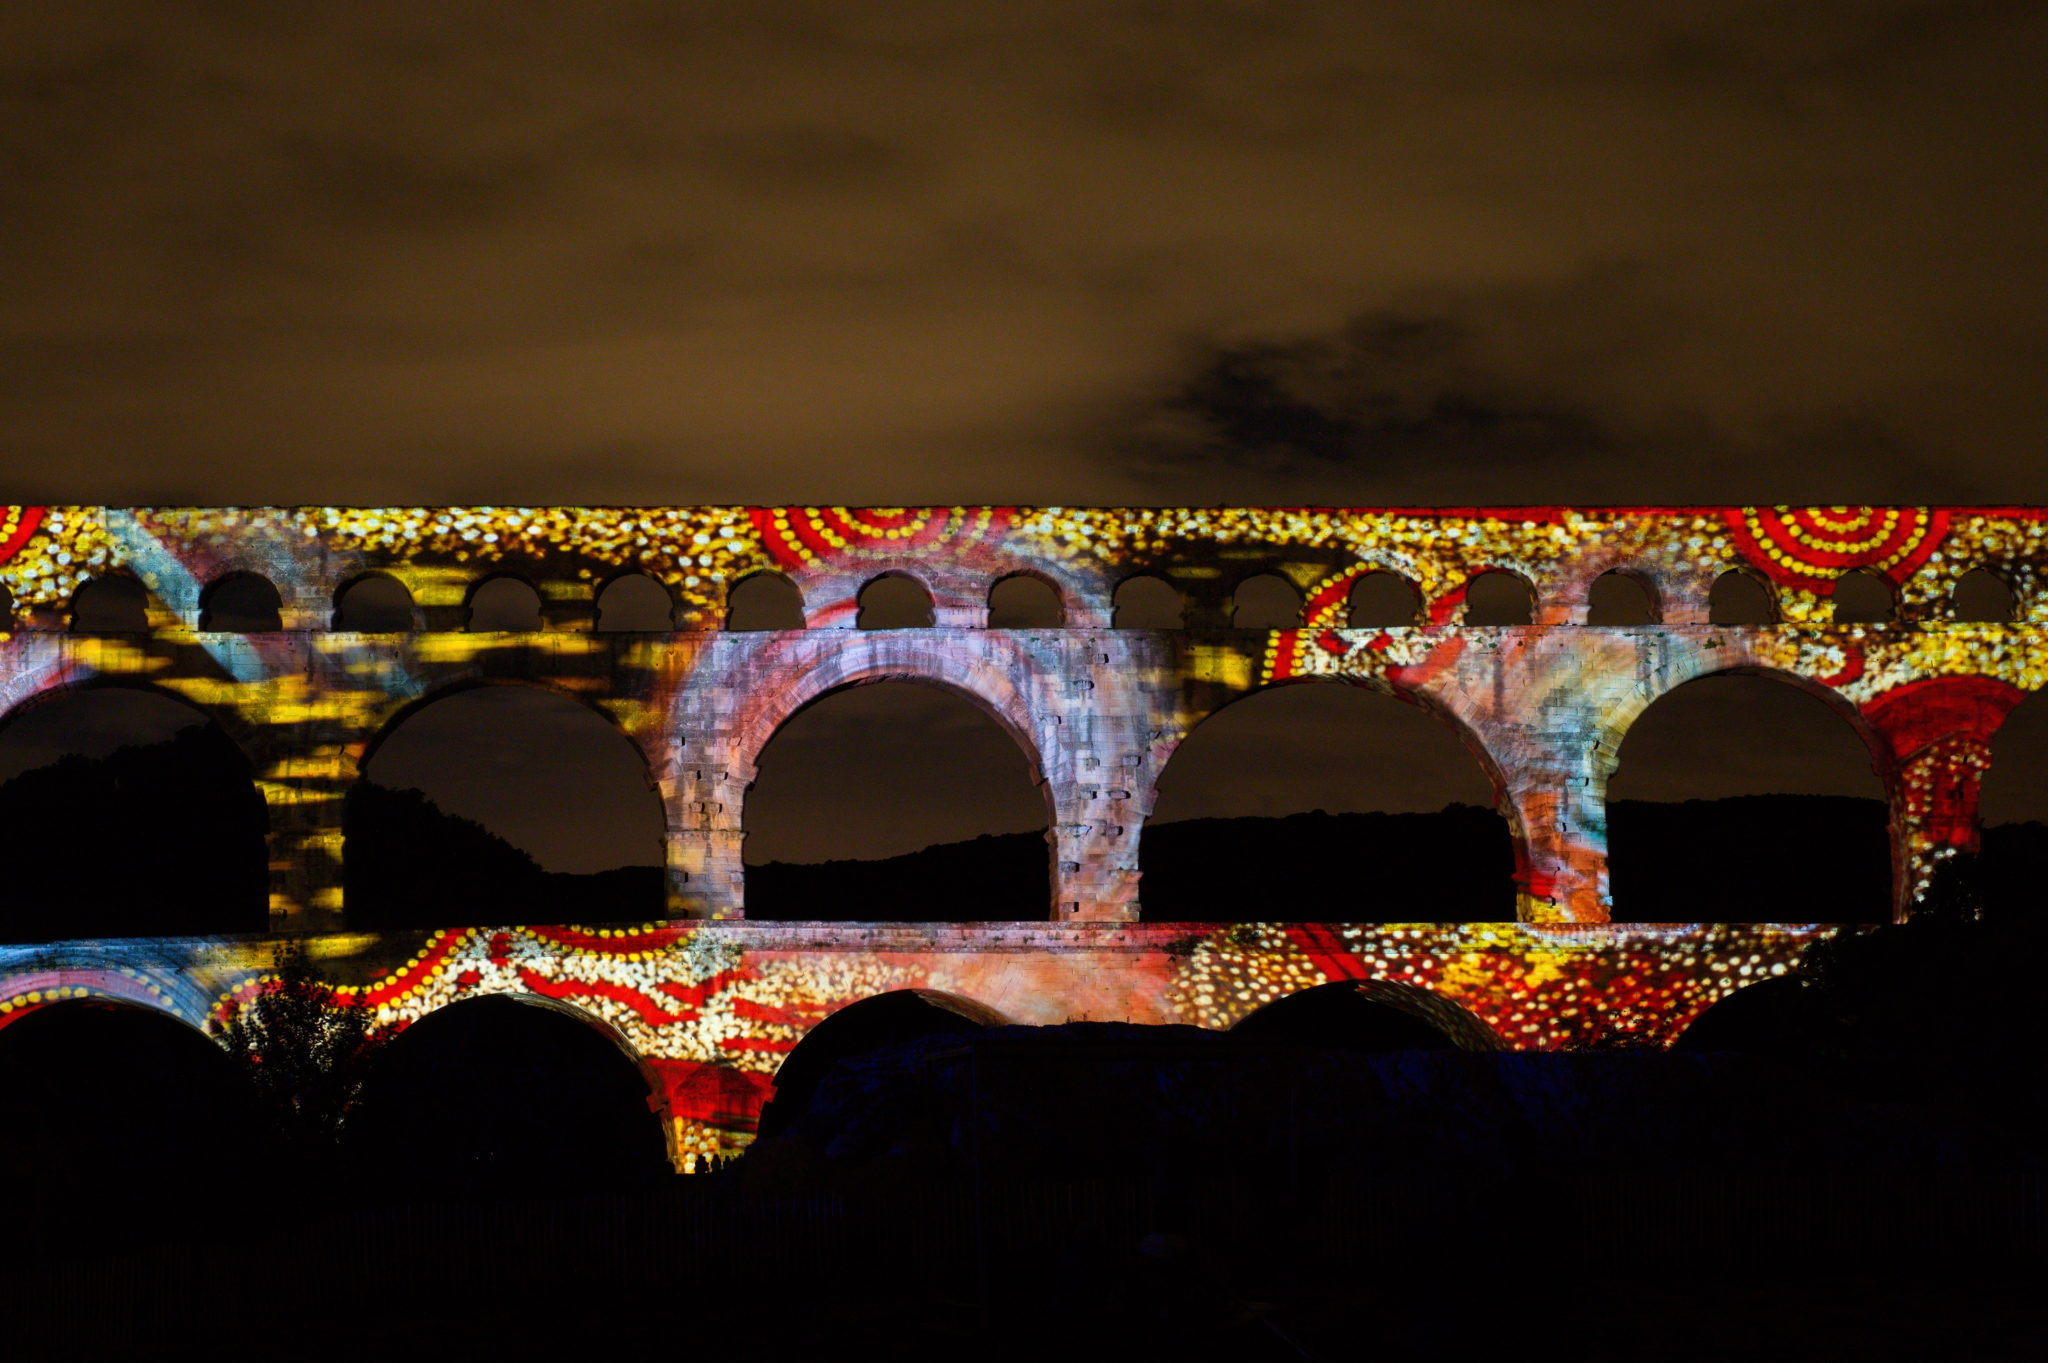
1811	546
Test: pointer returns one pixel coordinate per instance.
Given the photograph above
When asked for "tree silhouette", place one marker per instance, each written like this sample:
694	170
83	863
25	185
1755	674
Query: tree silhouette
305	1052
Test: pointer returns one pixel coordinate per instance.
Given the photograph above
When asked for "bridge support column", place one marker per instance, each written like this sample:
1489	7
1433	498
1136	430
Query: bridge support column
1937	735
706	876
304	847
1561	855
1095	864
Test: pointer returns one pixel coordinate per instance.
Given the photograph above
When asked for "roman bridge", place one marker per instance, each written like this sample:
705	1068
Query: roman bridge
707	1002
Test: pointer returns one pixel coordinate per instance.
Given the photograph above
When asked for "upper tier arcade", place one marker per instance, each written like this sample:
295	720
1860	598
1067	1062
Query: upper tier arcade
1542	699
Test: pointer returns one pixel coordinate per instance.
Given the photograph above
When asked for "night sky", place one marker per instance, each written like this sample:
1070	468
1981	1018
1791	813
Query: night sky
1401	253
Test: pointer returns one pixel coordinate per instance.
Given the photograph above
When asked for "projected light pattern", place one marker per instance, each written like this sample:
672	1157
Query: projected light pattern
710	1003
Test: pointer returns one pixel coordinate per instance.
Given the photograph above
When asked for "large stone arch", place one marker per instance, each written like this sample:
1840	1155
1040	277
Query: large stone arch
61	682
1627	705
379	723
659	1089
112	972
1455	1027
1198	710
118	1103
253	749
360	749
860	1026
720	724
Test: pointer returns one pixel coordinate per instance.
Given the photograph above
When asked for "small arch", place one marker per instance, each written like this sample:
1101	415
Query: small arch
1982	597
1863	597
1742	597
895	601
1499	597
508	1087
764	600
1367	1016
1147	601
504	605
1620	600
241	603
1383	600
861	1028
375	603
1022	601
1266	601
634	603
114	604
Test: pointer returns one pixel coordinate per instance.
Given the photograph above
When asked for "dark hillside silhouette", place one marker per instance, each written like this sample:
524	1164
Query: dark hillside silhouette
1452	866
408	863
1750	859
153	840
188	826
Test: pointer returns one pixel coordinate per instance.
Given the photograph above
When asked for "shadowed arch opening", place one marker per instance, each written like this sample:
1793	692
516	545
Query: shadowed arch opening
862	1028
1325	802
1147	602
896	801
764	601
1743	798
118	1108
1741	597
895	601
375	604
241	603
115	604
1982	597
1383	600
1619	600
1368	1016
2012	811
504	605
1862	597
1499	597
1267	601
1021	601
502	804
498	1090
635	604
1769	1017
127	813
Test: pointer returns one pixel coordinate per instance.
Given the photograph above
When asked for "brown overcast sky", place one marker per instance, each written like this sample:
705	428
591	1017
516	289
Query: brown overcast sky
1440	251
1414	251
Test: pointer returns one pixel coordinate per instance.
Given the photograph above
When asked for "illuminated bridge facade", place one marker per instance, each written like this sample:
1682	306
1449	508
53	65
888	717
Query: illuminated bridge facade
708	1002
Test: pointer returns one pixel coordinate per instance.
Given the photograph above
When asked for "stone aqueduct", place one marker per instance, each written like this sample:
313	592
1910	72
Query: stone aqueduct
708	1003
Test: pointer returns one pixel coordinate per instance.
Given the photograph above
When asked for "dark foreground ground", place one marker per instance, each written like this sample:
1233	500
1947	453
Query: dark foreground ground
1080	1268
1111	1192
